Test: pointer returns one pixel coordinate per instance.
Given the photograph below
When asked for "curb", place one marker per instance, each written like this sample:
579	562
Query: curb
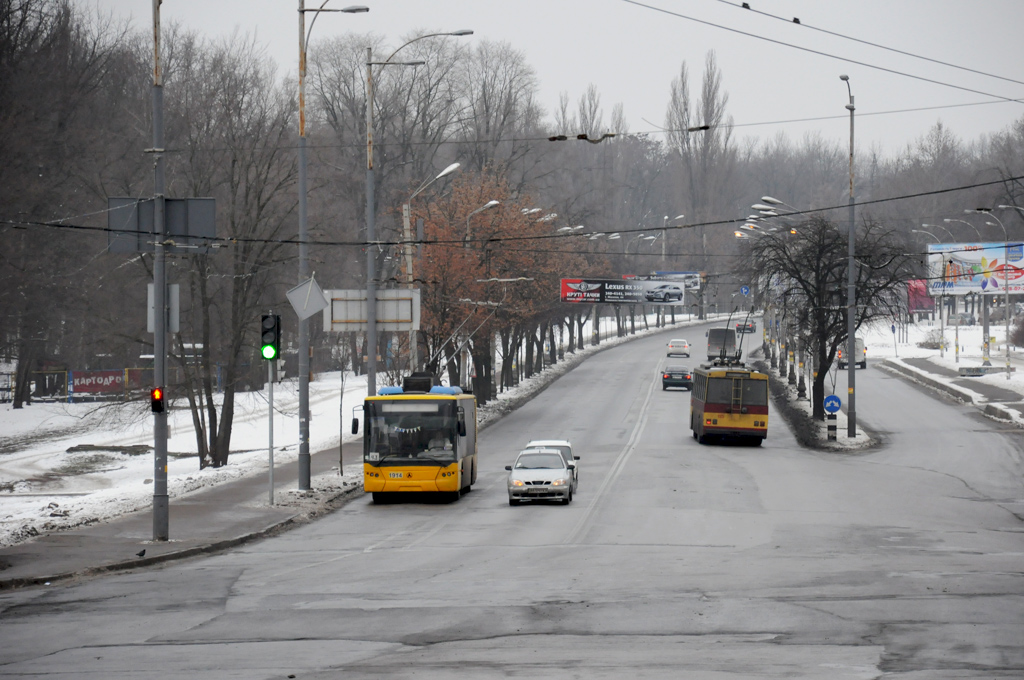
216	546
993	410
919	376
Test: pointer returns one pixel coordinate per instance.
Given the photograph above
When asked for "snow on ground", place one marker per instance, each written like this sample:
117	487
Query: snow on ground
64	465
881	343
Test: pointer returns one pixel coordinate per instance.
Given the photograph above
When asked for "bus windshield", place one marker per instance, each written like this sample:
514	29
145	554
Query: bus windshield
402	432
753	392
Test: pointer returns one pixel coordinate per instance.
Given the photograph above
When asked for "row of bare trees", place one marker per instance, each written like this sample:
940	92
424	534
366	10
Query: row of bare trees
75	121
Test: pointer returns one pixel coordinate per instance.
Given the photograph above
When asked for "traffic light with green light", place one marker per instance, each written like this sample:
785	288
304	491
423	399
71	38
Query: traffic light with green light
270	339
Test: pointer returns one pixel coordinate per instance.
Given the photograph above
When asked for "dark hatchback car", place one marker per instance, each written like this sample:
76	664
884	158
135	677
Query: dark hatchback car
676	376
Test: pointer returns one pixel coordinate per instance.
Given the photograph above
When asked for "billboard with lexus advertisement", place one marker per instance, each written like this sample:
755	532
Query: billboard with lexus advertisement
982	268
668	288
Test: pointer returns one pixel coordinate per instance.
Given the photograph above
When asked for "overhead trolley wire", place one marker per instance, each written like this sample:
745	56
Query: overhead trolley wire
819	52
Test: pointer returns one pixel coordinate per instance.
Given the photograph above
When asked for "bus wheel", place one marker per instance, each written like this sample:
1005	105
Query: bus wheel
454	496
701	439
379	498
756	441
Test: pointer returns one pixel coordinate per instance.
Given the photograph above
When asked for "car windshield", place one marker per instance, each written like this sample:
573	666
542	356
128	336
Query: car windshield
540	461
566	451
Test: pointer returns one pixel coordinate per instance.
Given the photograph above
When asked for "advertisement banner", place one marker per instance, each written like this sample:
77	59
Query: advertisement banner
623	291
97	382
982	268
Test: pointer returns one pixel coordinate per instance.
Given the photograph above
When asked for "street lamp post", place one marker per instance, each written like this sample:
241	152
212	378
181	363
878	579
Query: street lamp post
851	290
485	206
664	234
939	226
304	457
942	299
371	228
407	237
1006	281
976	231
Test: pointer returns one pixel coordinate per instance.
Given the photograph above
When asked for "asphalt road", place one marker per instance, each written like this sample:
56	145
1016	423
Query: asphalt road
674	560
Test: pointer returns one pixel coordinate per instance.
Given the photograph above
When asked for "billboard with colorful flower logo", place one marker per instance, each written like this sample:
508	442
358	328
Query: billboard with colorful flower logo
982	268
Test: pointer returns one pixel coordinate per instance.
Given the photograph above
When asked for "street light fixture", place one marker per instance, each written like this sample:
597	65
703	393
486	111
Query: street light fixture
371	227
851	288
775	201
303	340
489	204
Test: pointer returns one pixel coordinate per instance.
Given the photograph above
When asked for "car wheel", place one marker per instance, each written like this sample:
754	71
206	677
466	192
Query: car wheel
664	387
513	501
567	499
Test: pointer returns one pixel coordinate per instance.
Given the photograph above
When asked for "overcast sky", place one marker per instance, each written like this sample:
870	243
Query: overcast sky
775	72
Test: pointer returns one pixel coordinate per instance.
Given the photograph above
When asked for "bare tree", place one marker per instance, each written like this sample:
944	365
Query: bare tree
235	124
53	68
803	272
706	158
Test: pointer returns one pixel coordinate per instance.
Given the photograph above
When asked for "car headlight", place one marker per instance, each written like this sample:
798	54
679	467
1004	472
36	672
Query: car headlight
515	482
558	482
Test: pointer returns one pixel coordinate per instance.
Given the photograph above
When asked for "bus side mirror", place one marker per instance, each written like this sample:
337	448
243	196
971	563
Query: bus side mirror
355	420
462	428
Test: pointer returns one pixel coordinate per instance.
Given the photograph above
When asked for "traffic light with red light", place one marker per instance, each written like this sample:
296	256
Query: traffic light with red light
156	399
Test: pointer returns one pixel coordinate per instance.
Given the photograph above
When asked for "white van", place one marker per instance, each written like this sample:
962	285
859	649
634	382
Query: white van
861	354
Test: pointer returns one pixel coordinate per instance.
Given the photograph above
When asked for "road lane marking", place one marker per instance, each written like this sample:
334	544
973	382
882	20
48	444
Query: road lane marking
616	470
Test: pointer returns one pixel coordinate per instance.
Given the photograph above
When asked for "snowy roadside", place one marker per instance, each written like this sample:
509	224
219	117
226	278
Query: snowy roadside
69	465
884	350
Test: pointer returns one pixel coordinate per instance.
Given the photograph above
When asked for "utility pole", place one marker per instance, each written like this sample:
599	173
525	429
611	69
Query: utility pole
160	501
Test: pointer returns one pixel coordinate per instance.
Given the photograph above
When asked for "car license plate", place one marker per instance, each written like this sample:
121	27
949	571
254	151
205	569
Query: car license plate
396	475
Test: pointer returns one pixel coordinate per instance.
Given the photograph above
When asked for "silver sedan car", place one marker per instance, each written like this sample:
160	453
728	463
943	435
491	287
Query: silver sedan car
540	475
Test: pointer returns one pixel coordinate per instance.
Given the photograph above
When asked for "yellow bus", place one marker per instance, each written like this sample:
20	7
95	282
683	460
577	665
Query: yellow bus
729	401
419	438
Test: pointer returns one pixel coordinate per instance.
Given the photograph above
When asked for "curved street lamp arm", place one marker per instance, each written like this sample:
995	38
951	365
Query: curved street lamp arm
429	35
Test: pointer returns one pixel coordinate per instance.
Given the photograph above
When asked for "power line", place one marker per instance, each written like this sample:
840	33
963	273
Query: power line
797	22
218	241
819	52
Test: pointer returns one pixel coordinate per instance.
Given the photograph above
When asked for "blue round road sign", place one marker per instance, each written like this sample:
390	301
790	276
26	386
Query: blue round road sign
832	403
745	290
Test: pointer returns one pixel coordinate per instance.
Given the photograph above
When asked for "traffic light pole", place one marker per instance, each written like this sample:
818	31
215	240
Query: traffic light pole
161	519
270	400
